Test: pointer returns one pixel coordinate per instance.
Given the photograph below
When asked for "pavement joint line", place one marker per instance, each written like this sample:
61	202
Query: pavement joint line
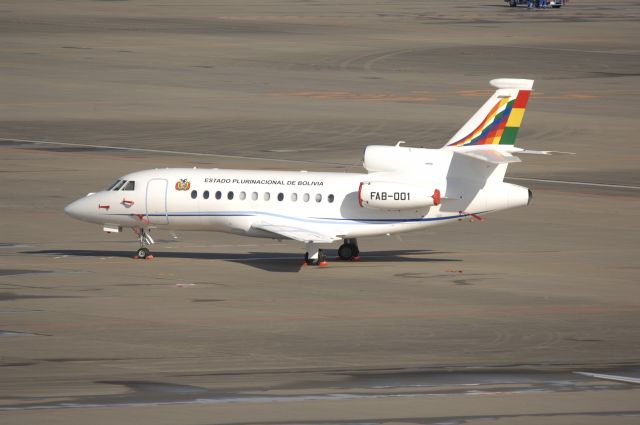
617	186
122	148
558	49
163	151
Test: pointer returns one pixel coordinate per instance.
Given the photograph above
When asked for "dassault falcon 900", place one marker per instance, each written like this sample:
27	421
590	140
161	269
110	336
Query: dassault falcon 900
404	189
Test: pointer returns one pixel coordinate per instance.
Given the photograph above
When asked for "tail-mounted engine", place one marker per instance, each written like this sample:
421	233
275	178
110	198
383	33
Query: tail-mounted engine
396	196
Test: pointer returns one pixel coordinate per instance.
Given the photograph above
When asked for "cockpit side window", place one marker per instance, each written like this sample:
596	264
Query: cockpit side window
131	185
114	185
119	185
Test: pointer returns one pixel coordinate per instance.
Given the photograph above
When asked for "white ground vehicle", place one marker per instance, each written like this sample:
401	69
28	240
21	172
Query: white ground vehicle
550	3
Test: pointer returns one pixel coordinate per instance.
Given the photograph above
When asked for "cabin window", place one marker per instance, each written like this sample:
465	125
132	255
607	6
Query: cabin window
243	196
230	195
318	197
330	198
119	185
205	194
305	197
113	185
294	197
254	196
280	196
131	185
218	195
194	194
267	196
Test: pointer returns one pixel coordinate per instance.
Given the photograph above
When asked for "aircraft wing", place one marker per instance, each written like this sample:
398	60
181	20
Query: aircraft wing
296	233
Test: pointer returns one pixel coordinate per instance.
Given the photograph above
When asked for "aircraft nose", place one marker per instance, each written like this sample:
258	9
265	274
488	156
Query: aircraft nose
79	209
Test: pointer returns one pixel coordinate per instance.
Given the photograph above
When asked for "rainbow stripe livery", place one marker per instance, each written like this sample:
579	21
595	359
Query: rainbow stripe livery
497	122
501	126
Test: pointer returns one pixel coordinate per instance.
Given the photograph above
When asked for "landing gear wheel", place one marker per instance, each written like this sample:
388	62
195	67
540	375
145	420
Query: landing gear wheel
346	252
143	253
145	239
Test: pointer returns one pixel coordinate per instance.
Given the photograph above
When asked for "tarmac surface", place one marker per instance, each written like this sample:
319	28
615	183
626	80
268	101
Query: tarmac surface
475	322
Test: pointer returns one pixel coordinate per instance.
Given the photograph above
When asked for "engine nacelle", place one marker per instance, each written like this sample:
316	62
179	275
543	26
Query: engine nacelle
396	196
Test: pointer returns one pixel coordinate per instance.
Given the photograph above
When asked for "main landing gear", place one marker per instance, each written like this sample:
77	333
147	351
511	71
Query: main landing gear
349	251
145	239
315	256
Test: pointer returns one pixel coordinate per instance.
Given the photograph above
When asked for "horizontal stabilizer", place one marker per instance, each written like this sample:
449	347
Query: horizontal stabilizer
491	155
545	152
296	233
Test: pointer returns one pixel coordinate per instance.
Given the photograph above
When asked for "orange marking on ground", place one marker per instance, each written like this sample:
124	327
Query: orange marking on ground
565	96
582	96
537	95
345	95
57	103
475	93
419	96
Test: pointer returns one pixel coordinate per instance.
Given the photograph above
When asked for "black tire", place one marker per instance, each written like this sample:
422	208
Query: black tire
513	3
142	253
346	252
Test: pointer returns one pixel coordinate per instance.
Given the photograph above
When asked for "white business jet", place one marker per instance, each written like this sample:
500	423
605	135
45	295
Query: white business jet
404	189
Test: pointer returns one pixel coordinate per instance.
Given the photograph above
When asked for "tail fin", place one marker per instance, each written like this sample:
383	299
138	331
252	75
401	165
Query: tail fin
497	122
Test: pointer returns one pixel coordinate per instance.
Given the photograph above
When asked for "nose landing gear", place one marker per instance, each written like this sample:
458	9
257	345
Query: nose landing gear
145	239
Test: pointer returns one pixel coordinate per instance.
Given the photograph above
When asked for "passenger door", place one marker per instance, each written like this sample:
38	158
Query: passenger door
157	201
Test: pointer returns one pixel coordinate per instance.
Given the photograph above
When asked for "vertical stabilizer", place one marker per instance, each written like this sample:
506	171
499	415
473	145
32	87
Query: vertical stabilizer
497	122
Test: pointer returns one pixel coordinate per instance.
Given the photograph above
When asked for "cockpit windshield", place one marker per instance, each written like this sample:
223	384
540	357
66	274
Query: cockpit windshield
122	185
119	185
114	184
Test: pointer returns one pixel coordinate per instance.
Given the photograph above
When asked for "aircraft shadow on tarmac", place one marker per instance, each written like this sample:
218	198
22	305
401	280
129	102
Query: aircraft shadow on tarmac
269	261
